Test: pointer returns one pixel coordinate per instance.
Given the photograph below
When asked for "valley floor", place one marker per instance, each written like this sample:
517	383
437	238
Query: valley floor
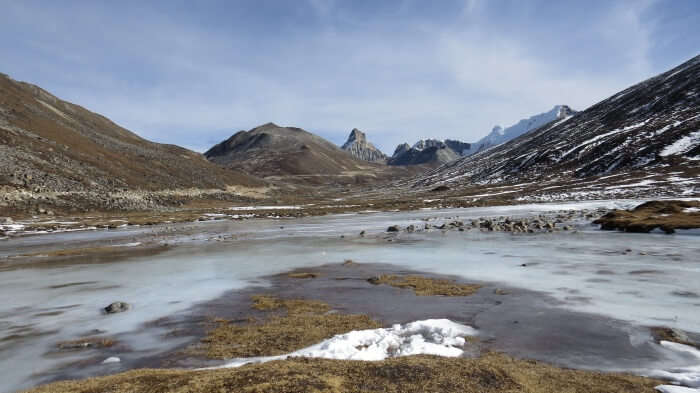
532	304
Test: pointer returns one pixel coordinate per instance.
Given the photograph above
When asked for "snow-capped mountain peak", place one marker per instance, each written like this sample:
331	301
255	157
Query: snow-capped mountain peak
500	135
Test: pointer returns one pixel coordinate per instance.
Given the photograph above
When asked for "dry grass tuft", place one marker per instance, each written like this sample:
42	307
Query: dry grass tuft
86	343
492	373
424	286
297	324
665	215
303	275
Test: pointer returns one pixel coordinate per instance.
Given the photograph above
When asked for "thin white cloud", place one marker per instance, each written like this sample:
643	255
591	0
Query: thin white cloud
398	80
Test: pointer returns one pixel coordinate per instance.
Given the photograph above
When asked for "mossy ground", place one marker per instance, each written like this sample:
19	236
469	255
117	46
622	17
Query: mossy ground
490	373
665	215
426	286
292	324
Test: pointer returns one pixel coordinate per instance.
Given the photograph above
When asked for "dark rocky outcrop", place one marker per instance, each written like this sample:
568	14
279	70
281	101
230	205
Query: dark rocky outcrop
428	151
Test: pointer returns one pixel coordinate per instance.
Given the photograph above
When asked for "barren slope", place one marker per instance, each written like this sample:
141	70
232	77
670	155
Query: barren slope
47	144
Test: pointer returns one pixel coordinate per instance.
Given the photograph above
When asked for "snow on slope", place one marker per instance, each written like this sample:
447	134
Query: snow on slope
500	135
653	124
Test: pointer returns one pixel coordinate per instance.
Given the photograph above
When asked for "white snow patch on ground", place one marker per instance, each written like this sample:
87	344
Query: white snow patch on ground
686	376
642	183
11	227
440	337
134	244
682	145
691	210
112	359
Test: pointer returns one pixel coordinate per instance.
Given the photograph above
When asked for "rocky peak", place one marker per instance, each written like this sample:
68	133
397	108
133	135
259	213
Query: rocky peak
358	146
400	149
356	136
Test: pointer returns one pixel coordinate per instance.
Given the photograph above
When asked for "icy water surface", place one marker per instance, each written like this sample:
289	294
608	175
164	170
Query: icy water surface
644	279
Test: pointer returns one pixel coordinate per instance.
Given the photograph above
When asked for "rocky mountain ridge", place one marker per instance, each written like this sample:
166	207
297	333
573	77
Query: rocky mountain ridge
650	127
294	155
358	146
428	151
500	135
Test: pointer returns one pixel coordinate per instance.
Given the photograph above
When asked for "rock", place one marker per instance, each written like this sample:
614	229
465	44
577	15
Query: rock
362	233
440	188
410	228
393	228
6	220
117	307
566	227
374	280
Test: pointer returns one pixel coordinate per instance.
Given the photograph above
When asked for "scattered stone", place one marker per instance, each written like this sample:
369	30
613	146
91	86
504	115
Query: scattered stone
117	307
362	233
410	228
393	228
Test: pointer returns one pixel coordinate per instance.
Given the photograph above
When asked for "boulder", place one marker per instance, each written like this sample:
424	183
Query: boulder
393	228
117	307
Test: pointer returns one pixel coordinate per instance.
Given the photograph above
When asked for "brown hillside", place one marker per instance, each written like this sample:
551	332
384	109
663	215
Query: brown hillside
47	144
292	154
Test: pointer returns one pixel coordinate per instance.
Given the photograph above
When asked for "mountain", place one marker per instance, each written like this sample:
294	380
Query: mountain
294	155
500	135
648	133
48	145
359	148
428	151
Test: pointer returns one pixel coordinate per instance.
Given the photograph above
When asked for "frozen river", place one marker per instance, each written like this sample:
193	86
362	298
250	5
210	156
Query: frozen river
644	279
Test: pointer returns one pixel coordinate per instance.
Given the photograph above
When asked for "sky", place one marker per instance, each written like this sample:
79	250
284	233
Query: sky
193	73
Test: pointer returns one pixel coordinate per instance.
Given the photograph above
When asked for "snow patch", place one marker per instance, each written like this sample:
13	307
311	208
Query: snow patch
688	376
440	337
682	145
112	359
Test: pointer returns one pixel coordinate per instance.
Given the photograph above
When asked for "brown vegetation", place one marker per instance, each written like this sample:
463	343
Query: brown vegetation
665	215
303	275
292	324
86	343
491	373
425	286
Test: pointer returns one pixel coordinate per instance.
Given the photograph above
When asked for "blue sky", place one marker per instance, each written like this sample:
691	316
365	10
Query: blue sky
192	73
